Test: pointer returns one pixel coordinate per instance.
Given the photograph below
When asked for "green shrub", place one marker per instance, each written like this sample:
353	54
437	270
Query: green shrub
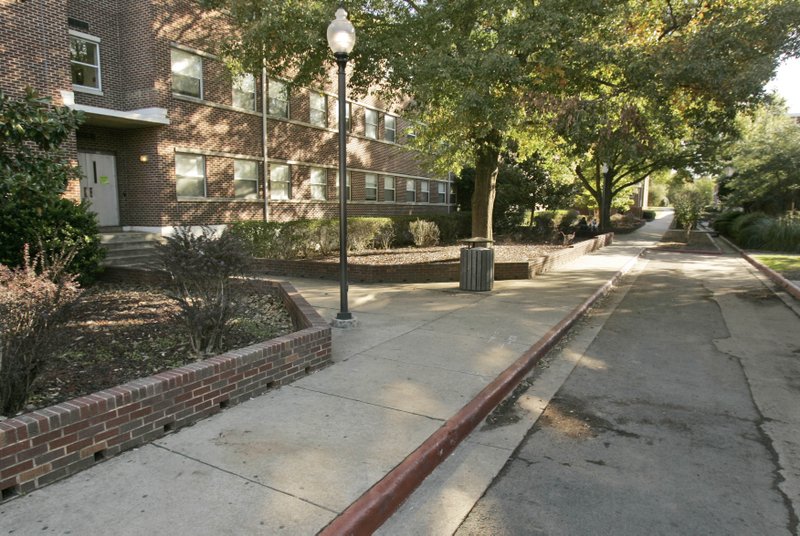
741	227
316	238
34	171
648	215
567	219
425	233
722	223
200	267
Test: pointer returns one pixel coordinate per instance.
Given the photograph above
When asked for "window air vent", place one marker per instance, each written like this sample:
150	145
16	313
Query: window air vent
78	24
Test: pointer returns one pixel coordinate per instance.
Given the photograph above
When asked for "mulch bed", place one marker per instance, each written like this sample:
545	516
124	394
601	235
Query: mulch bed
698	241
116	333
442	254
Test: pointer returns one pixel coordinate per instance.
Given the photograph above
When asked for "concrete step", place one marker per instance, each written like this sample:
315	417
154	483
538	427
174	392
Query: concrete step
129	236
122	247
133	261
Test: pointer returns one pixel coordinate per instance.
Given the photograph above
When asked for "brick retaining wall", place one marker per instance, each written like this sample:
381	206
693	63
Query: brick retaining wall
428	272
45	445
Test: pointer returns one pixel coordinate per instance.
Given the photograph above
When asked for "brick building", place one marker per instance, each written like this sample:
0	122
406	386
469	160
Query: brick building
171	137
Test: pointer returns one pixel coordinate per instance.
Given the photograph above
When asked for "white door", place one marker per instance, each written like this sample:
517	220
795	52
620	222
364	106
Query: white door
99	186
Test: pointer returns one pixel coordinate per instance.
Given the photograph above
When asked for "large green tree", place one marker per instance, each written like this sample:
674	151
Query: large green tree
657	86
763	165
620	87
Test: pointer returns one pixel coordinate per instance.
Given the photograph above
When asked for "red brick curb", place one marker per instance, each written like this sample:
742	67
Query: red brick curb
45	445
367	513
781	281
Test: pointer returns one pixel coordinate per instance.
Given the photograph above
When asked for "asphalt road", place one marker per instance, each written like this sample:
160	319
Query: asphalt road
682	417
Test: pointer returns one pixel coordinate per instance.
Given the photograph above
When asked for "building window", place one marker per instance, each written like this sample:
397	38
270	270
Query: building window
278	99
190	175
370	187
318	103
371	123
187	73
84	58
452	194
245	179
349	192
347	120
390	128
388	189
319	184
279	181
244	91
440	188
424	191
411	191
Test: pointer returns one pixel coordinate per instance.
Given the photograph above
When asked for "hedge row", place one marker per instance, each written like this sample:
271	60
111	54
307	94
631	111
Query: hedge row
756	230
301	239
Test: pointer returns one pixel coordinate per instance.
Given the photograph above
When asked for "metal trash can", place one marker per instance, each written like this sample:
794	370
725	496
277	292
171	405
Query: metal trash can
477	268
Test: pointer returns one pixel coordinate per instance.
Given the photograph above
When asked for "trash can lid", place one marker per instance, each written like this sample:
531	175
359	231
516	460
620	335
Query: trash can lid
477	241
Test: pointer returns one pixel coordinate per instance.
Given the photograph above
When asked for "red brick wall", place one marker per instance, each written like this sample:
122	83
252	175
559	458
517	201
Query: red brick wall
49	444
136	39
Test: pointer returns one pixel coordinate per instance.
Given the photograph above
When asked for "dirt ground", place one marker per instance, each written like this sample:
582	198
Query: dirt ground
120	332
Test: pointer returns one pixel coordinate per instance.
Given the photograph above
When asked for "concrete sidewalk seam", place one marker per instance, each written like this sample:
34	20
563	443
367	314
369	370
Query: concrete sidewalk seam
367	513
365	402
242	477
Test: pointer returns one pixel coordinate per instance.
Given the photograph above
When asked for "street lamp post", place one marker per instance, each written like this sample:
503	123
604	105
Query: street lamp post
341	39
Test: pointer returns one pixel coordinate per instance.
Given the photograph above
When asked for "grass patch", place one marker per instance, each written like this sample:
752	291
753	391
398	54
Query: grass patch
786	265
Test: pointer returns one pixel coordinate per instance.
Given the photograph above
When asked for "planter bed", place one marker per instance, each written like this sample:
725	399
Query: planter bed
424	272
48	444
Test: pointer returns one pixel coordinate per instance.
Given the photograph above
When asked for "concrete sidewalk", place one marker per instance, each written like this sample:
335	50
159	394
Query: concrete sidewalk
290	461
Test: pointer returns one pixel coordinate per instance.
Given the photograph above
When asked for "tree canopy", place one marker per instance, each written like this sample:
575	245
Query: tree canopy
763	165
620	88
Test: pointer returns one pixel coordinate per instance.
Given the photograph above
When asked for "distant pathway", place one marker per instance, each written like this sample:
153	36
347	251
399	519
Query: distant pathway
681	418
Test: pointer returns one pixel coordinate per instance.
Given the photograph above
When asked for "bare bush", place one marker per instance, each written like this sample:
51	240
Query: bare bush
33	298
425	233
200	266
384	236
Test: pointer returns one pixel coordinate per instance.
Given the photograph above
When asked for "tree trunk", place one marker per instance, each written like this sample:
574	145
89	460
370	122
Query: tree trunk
606	196
486	167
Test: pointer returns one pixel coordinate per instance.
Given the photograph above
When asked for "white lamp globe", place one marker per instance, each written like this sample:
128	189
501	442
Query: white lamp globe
341	34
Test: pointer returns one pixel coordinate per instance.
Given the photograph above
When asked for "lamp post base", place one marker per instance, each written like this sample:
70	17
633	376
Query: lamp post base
344	321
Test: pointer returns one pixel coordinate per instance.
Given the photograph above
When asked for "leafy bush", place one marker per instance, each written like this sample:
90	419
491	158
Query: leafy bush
33	298
648	215
361	232
314	238
200	267
34	171
385	235
722	223
425	233
688	202
567	219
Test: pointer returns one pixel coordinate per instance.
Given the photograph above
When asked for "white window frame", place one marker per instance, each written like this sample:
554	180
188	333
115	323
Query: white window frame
386	182
322	112
285	192
278	99
239	176
412	191
199	58
370	192
386	130
371	120
348	185
318	185
240	82
194	178
424	191
441	188
80	36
